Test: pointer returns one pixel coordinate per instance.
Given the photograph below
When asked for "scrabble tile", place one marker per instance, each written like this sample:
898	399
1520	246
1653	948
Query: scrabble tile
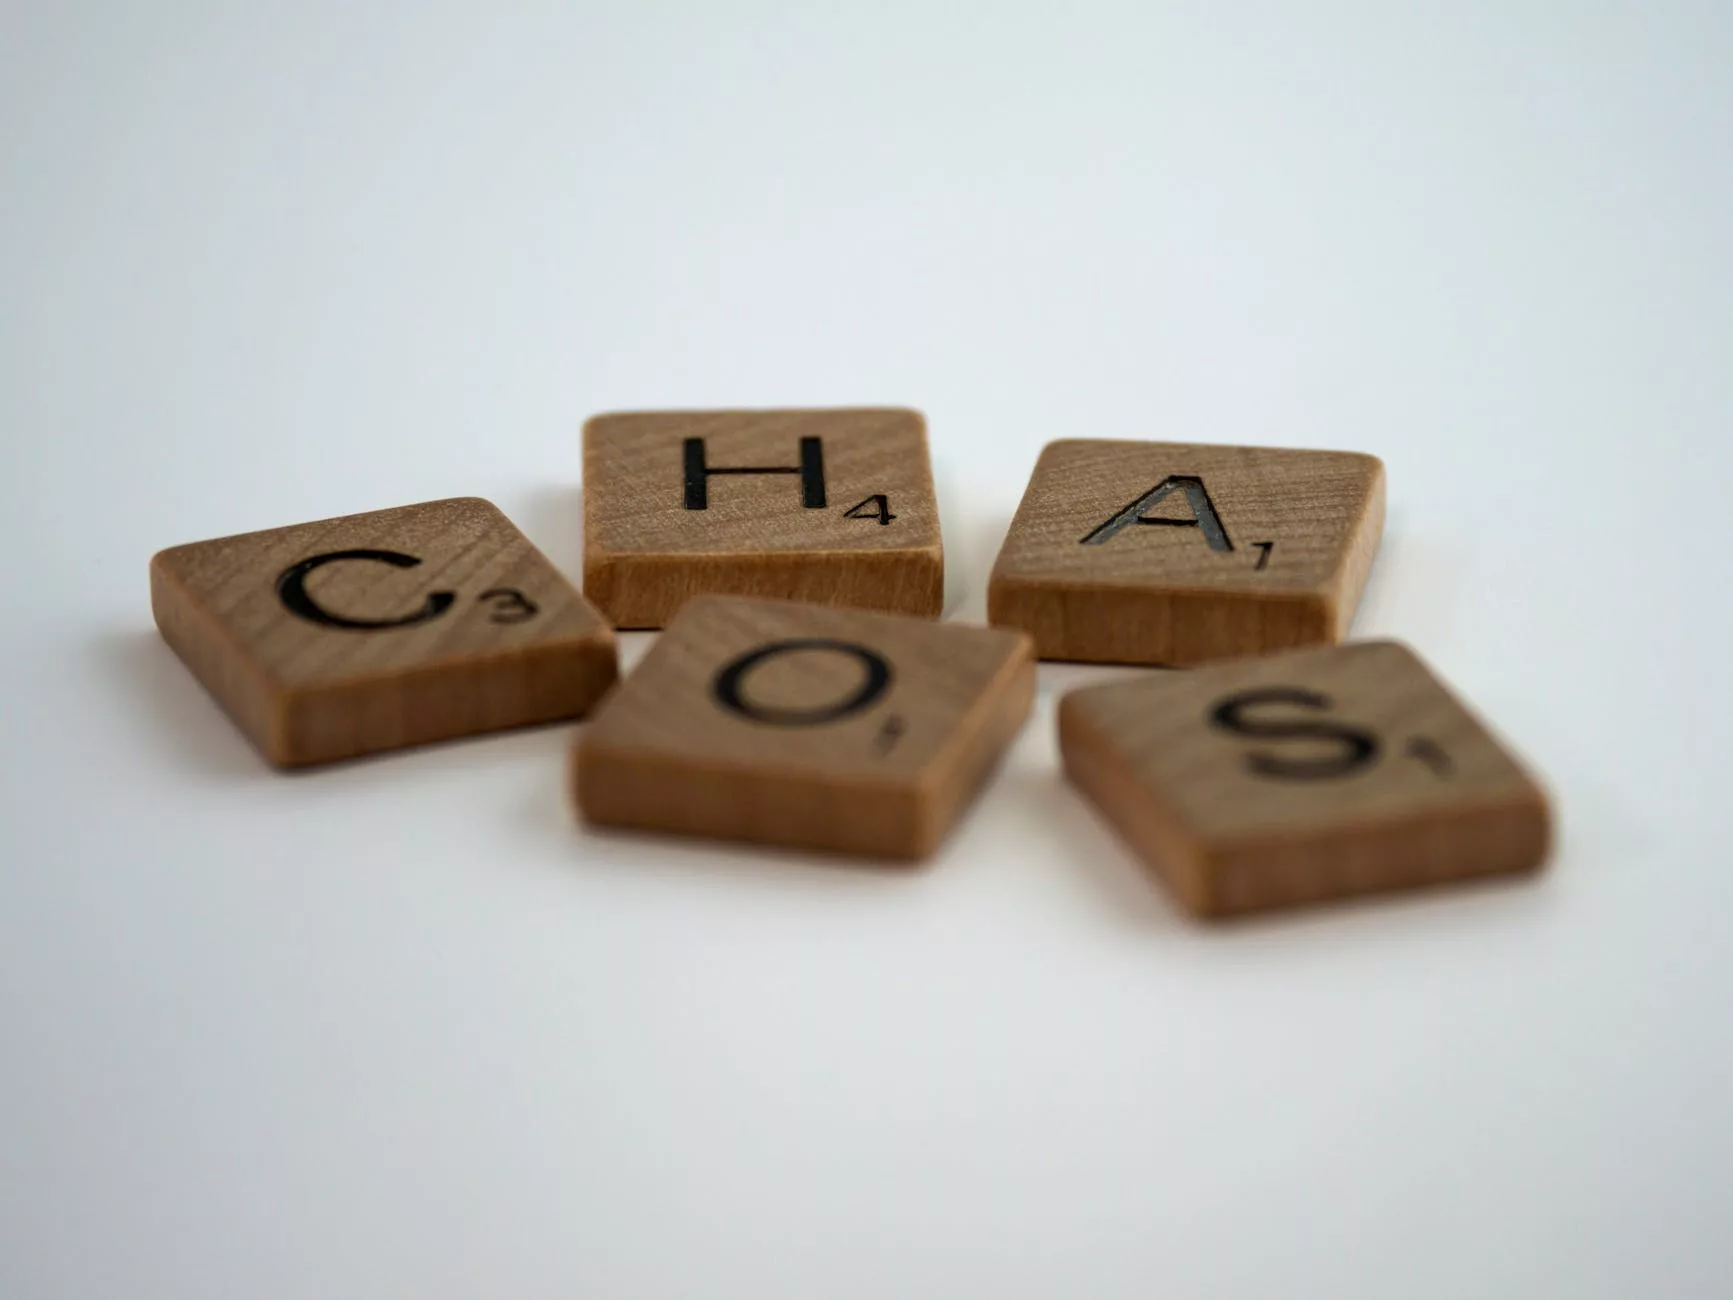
1175	554
831	507
799	725
1309	775
342	637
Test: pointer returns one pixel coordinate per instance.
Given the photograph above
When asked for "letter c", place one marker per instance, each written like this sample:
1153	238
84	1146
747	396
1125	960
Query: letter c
292	591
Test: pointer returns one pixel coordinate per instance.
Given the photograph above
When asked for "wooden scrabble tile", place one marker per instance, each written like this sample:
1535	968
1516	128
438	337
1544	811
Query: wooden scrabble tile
1309	775
342	637
1171	553
799	725
832	507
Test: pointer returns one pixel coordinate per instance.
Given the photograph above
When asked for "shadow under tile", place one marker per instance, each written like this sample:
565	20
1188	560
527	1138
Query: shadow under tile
1058	824
166	701
969	550
553	518
1414	590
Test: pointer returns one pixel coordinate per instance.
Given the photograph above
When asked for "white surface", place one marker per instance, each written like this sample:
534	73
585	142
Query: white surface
402	1029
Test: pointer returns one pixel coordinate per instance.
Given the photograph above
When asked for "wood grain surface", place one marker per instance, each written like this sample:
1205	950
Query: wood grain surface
846	516
1178	554
1310	775
449	623
798	725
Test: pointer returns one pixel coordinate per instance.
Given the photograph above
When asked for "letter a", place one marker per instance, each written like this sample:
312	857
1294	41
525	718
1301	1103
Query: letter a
1204	517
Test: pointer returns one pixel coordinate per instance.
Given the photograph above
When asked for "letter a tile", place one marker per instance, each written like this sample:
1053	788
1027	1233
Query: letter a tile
1305	776
1169	553
831	507
337	638
799	725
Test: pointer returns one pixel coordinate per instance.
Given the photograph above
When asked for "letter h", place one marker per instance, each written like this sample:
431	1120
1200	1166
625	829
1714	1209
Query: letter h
810	469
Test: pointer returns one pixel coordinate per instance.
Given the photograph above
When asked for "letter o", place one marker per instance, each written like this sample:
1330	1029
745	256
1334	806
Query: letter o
728	683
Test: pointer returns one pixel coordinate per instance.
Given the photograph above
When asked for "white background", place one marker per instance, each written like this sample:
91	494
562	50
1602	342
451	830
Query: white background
402	1029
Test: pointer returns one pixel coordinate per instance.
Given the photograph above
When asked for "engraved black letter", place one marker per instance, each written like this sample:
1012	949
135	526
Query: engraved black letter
292	591
810	469
1358	747
728	683
1203	512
